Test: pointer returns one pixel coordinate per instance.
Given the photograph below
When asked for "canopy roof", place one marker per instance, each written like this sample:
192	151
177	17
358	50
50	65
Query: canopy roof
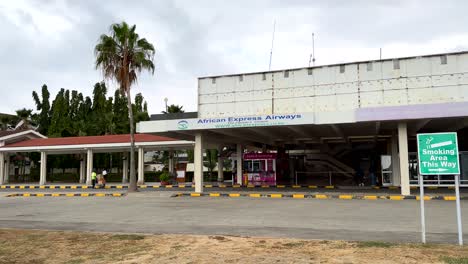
107	143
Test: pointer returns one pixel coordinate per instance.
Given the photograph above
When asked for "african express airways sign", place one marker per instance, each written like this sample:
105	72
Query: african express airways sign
438	153
243	121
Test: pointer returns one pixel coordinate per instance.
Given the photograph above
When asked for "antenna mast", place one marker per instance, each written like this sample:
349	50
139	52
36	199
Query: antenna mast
272	40
312	56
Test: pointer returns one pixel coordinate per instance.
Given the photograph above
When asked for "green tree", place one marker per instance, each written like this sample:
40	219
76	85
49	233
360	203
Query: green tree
120	114
121	56
211	158
24	115
172	109
60	122
42	105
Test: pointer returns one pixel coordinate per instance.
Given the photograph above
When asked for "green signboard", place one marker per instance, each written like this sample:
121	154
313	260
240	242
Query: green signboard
438	154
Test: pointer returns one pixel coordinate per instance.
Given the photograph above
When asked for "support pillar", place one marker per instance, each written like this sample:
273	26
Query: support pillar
239	164
141	166
404	164
82	169
395	161
6	176
198	163
43	172
2	167
220	165
171	162
89	166
125	168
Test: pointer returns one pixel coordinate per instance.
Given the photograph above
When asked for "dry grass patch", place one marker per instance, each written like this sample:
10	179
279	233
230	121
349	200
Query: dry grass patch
21	246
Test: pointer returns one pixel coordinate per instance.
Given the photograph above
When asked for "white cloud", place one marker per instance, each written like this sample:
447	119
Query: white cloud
52	41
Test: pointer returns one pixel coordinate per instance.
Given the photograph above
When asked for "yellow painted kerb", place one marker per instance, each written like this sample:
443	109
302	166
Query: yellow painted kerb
255	195
298	196
426	198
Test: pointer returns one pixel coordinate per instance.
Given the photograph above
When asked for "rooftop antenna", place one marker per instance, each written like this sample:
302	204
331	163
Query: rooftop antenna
380	53
272	40
312	56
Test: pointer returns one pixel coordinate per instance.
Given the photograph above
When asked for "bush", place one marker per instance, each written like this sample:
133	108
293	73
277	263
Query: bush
164	177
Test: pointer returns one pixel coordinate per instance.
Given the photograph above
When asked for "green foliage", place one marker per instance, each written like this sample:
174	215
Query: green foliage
211	158
72	114
42	105
172	109
164	177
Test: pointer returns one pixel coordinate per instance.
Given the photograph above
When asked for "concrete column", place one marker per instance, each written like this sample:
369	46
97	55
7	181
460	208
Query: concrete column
141	166
89	166
239	163
2	167
125	168
404	164
171	162
43	172
6	177
198	163
220	165
82	169
395	161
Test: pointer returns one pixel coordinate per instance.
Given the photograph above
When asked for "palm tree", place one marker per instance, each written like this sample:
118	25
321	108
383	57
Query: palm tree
172	109
121	56
24	115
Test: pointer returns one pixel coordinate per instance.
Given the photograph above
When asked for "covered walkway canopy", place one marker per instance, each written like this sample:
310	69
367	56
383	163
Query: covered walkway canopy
86	146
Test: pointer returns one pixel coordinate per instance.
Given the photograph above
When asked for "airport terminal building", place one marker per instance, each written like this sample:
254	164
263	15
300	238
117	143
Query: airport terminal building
334	124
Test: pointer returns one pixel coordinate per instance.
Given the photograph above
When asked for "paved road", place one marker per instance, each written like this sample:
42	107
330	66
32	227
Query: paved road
147	212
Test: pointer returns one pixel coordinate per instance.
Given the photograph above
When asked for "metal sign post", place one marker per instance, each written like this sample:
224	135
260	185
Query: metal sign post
459	221
423	216
438	155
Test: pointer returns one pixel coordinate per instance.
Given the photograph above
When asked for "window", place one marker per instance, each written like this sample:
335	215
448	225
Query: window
213	80
396	64
443	59
342	68
264	76
241	78
369	66
286	74
309	71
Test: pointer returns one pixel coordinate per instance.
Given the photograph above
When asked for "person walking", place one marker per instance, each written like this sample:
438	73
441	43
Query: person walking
93	178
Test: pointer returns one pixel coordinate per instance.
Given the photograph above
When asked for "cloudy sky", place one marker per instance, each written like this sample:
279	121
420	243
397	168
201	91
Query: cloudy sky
51	42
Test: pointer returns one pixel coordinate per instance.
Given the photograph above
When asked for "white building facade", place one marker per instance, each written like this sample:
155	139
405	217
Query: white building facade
374	105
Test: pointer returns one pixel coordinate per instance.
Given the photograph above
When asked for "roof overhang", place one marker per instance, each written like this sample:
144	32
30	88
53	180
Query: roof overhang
108	147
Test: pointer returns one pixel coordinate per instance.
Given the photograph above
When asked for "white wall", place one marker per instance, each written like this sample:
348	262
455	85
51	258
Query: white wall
422	80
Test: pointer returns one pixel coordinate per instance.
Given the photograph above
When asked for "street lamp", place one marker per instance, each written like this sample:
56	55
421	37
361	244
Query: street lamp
165	101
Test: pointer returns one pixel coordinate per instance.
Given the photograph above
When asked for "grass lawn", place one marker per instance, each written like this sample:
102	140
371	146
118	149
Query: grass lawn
31	246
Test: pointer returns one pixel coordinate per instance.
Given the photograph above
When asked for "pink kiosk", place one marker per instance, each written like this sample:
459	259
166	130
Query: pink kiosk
259	168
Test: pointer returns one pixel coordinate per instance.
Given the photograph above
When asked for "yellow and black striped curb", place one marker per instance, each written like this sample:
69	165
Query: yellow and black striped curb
321	196
206	186
66	195
160	186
